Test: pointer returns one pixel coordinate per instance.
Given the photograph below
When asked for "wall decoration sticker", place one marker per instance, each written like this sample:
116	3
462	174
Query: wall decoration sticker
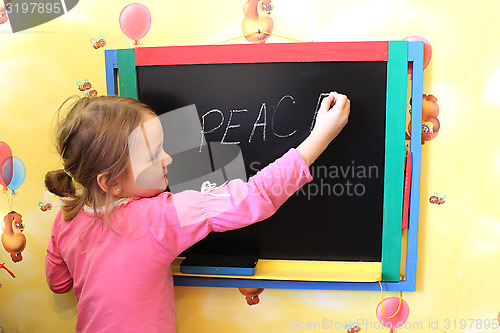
12	175
251	295
135	21
98	43
13	239
86	87
2	265
437	199
430	122
4	6
257	24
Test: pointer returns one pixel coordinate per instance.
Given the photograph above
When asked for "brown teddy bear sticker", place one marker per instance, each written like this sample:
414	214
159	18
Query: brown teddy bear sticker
430	122
13	239
251	295
257	24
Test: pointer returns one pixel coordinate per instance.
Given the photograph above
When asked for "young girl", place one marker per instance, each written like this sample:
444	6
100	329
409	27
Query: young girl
119	230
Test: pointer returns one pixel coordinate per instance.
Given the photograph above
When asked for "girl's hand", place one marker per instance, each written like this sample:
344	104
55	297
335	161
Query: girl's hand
332	116
330	120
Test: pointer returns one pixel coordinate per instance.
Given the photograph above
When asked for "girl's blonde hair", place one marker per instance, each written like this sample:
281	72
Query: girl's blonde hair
92	139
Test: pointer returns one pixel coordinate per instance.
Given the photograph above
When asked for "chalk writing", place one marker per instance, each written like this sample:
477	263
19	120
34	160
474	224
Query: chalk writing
203	132
229	125
260	121
320	98
262	108
272	123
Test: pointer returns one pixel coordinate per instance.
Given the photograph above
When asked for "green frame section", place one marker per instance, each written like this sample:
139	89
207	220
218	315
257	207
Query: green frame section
127	73
397	81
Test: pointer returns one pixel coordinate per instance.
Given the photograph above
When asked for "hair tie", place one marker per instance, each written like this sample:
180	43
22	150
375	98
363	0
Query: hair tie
68	173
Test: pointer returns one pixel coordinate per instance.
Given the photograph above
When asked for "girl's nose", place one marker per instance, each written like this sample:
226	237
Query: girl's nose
167	159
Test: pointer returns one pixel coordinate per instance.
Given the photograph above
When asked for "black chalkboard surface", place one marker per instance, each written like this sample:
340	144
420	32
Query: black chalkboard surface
336	217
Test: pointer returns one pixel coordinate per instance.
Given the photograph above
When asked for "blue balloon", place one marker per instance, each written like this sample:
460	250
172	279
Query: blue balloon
18	173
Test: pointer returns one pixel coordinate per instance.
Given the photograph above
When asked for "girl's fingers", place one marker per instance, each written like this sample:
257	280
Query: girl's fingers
340	100
327	102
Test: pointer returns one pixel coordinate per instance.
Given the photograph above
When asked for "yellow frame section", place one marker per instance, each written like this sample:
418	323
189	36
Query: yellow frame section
296	270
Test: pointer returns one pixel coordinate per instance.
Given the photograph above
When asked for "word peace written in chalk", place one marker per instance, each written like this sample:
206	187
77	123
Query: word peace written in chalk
260	121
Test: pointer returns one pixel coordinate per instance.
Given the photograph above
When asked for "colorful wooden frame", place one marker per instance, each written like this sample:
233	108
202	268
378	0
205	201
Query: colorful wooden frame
121	77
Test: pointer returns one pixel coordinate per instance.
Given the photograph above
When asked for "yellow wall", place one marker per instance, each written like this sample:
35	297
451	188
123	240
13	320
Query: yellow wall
459	249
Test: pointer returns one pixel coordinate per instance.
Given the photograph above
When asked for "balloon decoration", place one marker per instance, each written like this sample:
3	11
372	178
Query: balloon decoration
427	51
5	154
135	21
12	170
392	312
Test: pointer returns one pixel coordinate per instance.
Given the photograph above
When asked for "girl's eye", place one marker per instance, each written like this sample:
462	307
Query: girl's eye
158	152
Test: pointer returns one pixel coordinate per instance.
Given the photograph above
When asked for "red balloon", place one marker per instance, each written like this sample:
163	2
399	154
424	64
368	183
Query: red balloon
427	50
394	314
5	154
135	20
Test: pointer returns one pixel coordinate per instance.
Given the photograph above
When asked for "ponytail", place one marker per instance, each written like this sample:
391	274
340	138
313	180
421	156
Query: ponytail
61	184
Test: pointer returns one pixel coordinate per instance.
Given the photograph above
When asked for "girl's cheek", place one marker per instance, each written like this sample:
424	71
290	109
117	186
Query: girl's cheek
152	177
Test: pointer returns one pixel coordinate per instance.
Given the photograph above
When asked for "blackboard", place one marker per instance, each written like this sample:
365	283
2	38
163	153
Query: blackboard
343	204
352	211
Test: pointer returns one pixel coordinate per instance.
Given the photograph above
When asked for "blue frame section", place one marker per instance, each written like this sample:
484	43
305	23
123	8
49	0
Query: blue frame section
415	55
111	61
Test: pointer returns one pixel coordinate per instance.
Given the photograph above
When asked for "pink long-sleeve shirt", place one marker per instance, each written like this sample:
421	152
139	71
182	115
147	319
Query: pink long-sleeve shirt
121	276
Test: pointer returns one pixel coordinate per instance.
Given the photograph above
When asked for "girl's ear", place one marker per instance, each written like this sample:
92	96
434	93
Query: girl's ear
102	181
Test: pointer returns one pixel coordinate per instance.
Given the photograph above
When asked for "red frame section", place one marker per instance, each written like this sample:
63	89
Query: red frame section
407	189
251	53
